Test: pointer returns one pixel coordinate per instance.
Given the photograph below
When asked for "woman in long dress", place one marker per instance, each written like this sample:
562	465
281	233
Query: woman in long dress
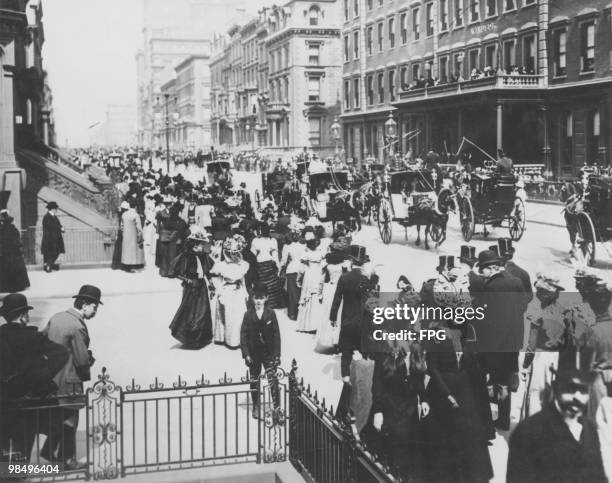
333	267
192	324
13	272
457	448
265	249
132	247
116	262
172	234
548	336
310	308
231	292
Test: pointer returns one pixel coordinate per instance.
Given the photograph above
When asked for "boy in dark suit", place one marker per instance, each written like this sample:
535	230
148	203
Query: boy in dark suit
261	346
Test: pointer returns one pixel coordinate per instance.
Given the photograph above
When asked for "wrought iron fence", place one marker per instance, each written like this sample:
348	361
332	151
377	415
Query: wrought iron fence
326	447
93	245
158	428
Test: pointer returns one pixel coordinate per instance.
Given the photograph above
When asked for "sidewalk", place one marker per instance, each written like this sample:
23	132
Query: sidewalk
545	214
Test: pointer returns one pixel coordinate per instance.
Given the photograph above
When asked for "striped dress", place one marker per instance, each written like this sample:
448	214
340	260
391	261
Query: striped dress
266	251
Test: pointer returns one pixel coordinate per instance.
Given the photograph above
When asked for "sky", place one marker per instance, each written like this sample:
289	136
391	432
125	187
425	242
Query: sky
89	54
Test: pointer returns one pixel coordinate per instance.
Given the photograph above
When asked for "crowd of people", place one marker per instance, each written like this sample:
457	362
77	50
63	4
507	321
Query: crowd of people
424	406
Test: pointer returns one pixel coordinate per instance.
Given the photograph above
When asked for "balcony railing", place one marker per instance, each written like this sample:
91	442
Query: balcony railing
277	106
518	81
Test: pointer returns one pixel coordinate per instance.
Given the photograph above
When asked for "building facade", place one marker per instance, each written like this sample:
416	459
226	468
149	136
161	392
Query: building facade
531	77
276	79
163	50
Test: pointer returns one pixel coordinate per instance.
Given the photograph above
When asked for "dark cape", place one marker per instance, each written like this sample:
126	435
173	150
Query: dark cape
52	244
13	273
172	234
192	323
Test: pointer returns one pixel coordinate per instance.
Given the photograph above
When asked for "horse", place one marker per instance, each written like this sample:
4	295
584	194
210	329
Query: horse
343	209
434	217
571	194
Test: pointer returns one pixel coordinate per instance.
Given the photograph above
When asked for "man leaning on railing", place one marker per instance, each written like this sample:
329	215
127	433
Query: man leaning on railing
28	363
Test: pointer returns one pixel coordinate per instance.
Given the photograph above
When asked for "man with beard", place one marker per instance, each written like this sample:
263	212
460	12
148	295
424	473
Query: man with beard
558	443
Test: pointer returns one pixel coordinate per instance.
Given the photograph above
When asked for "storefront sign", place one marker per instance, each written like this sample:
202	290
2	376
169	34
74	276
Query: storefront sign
483	28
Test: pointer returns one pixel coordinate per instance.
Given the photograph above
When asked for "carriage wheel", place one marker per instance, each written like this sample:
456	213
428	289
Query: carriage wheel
466	215
516	226
585	239
384	221
443	200
436	232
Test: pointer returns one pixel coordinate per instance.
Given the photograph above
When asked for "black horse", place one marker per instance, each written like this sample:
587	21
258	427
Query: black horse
434	218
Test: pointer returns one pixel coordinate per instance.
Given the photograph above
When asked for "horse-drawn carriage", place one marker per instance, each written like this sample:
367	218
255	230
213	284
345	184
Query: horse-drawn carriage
409	198
488	198
588	215
216	170
329	198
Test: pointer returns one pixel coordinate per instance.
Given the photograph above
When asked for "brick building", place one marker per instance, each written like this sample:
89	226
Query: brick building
531	77
276	78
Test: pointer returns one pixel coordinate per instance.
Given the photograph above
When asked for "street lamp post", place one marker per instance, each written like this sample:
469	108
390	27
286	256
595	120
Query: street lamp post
167	121
335	132
391	133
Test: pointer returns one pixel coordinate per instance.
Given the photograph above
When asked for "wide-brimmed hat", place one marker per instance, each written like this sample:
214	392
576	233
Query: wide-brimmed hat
449	294
468	254
52	205
548	283
505	247
14	303
234	244
90	293
358	254
486	258
446	263
198	234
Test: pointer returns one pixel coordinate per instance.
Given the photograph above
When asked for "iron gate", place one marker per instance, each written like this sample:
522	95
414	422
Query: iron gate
136	430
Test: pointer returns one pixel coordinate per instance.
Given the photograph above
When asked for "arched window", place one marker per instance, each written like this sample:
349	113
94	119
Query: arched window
314	13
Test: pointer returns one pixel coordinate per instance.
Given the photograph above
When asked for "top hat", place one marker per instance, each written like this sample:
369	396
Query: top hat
89	293
52	205
4	197
14	303
468	254
494	249
357	253
487	258
506	249
447	262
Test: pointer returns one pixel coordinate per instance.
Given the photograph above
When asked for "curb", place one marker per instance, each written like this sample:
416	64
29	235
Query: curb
71	266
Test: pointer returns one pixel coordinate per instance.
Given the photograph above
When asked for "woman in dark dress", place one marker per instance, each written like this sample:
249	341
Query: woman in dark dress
395	429
13	272
457	449
192	324
116	263
172	234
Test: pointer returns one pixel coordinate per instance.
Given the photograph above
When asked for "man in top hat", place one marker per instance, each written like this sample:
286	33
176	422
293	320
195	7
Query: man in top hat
52	245
352	289
69	329
506	251
500	334
28	363
445	265
558	443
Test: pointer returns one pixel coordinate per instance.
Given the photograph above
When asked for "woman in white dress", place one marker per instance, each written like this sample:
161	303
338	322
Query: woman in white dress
310	309
548	336
333	267
231	293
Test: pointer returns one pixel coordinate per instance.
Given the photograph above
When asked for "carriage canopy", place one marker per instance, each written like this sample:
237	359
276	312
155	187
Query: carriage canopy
420	181
332	180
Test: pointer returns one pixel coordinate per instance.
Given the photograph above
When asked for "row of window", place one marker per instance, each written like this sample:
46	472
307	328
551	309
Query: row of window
279	58
508	54
475	10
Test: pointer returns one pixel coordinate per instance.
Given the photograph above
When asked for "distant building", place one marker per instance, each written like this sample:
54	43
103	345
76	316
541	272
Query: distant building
276	78
118	128
173	31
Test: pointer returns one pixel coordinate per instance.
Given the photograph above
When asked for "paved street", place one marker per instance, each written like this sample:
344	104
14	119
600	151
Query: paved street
139	307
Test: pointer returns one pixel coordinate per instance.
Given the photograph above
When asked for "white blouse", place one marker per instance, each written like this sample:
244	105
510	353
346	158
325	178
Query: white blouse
265	249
